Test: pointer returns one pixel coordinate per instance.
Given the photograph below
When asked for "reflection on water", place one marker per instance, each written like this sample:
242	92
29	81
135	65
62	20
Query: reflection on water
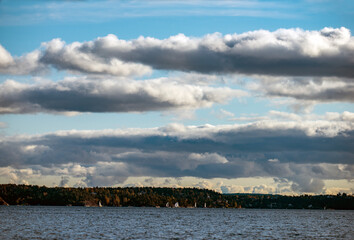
40	222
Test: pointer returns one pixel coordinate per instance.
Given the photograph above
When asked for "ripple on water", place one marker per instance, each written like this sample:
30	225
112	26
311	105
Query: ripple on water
40	222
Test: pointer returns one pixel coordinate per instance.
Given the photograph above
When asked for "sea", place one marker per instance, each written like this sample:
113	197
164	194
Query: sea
44	222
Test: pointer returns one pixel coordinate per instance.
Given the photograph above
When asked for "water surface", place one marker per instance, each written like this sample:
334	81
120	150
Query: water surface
42	222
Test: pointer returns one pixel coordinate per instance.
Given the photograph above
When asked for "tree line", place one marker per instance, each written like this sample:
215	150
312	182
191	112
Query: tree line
13	194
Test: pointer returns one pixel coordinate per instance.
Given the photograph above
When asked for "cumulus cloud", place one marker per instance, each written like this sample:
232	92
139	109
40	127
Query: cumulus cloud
26	64
285	52
69	57
290	52
19	175
66	58
306	91
204	185
5	58
83	95
303	152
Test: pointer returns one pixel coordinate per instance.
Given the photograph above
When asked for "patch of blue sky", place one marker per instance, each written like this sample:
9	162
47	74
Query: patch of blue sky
45	123
52	75
102	12
340	107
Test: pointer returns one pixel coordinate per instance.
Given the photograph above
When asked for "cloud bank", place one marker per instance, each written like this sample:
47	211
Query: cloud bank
84	95
304	152
290	52
285	52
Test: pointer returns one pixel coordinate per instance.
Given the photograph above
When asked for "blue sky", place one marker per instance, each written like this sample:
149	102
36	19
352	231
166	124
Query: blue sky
190	71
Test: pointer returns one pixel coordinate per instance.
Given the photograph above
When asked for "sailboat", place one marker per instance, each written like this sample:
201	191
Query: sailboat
176	205
205	205
99	204
168	204
195	204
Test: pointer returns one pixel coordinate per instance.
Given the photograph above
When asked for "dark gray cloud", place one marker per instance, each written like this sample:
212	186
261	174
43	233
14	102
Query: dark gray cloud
262	149
80	95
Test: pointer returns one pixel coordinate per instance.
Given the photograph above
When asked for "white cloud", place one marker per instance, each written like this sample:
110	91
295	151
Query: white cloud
274	115
224	114
19	176
26	64
204	185
5	58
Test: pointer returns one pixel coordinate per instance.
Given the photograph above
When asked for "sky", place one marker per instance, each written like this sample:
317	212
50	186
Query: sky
238	96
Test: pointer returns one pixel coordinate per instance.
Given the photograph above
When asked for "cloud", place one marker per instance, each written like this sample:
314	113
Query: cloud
26	64
308	184
84	95
204	185
223	114
306	91
19	176
292	117
5	58
64	181
307	152
70	58
67	58
286	52
106	174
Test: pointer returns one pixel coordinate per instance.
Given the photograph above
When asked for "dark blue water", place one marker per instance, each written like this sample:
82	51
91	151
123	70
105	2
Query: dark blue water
39	222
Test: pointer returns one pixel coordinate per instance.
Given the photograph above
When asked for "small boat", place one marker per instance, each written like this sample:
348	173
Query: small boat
168	204
176	205
205	205
99	204
195	204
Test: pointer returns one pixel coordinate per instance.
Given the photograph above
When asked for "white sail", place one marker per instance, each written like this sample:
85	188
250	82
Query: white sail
167	204
195	204
176	204
99	204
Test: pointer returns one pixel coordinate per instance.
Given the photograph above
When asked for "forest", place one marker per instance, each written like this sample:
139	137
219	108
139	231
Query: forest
12	194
